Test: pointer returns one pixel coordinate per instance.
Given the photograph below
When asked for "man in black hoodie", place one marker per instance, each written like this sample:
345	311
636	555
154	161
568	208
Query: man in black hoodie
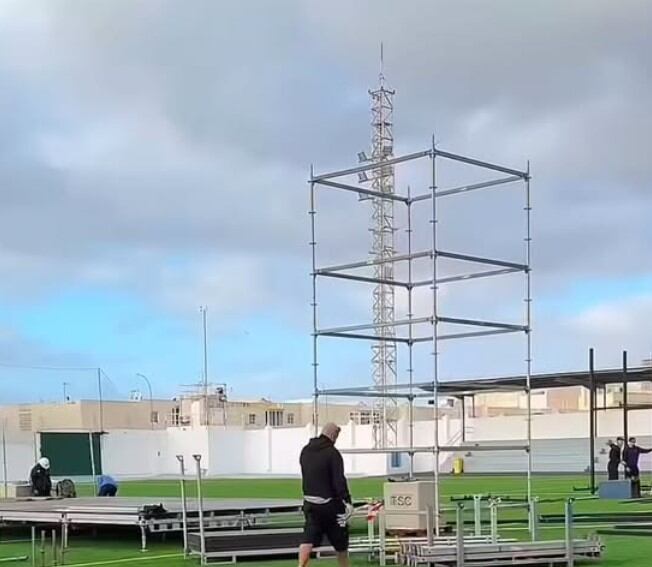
327	501
615	459
631	454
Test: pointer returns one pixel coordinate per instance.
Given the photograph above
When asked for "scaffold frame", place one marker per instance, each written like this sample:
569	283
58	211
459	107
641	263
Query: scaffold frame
412	390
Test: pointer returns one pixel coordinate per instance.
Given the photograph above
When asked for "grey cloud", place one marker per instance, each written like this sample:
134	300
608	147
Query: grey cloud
136	133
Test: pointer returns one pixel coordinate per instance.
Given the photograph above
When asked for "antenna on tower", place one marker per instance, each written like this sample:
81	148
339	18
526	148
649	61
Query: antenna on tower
381	75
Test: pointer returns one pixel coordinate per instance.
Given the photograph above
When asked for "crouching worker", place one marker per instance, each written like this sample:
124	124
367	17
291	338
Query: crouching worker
327	501
39	478
107	485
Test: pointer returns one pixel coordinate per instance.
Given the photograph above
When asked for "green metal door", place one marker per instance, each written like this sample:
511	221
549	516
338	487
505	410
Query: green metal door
70	453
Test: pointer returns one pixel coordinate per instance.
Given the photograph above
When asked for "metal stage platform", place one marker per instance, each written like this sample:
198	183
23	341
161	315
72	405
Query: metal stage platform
150	515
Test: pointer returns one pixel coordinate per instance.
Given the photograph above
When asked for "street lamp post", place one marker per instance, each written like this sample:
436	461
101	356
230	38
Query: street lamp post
203	309
151	399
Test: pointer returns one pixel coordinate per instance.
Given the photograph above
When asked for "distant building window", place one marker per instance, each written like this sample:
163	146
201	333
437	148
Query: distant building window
154	417
290	419
274	418
25	419
252	419
396	460
364	417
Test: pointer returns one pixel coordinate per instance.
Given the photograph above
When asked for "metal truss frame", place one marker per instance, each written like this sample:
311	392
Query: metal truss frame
412	390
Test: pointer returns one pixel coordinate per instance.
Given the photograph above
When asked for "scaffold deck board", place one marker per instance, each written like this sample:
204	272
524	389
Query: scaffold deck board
158	514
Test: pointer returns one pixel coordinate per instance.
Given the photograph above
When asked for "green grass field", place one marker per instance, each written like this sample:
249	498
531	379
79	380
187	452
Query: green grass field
123	548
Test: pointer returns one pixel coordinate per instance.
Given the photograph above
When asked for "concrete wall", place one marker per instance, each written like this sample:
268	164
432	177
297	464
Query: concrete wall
559	445
84	416
18	456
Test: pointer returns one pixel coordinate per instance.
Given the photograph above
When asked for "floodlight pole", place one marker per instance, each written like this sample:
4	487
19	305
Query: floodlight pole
101	401
204	310
151	398
625	399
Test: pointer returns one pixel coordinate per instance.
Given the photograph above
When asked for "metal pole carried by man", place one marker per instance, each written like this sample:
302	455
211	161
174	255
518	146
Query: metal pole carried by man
326	499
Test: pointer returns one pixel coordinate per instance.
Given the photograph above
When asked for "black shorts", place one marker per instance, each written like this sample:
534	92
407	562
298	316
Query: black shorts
632	472
321	520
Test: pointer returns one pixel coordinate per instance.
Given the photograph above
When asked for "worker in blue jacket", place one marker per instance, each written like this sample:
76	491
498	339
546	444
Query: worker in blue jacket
107	485
631	454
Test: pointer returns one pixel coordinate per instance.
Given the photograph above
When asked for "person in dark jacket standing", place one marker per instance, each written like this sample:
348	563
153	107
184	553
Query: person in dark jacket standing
631	454
39	478
615	457
326	498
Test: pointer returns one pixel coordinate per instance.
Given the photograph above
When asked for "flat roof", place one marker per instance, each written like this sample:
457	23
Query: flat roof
548	381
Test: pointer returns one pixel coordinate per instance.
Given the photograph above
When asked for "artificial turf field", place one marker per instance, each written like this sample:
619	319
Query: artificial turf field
123	548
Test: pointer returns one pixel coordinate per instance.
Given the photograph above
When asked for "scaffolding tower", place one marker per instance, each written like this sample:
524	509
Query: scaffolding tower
407	331
383	358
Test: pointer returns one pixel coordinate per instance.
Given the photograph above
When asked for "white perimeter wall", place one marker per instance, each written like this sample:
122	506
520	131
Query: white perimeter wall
18	455
559	445
227	451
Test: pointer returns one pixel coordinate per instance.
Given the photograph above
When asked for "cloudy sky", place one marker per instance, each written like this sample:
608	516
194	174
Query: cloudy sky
154	157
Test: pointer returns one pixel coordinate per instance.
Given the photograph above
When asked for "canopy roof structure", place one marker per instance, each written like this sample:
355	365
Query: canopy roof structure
471	387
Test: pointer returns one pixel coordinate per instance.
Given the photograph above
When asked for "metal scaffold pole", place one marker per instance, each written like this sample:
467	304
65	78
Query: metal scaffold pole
435	322
313	247
410	314
528	332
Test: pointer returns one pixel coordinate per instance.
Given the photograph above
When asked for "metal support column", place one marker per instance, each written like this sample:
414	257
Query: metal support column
313	247
430	517
382	535
528	332
143	536
410	344
477	514
463	416
625	399
101	400
592	414
200	511
184	504
4	459
459	528
33	546
92	459
493	518
568	516
534	518
435	321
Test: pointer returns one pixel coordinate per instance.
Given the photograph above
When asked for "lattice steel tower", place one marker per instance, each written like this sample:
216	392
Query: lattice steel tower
382	247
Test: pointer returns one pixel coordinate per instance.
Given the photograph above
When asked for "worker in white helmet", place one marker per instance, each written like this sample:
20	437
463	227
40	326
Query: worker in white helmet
39	478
